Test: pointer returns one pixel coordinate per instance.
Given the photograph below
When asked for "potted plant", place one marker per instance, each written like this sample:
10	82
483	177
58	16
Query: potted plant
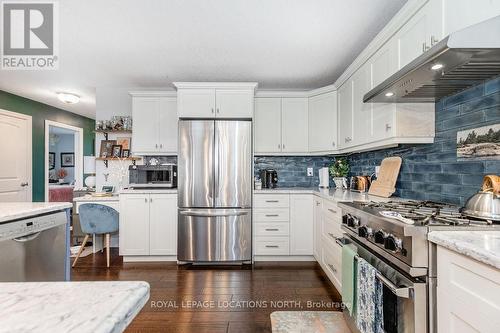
339	171
61	174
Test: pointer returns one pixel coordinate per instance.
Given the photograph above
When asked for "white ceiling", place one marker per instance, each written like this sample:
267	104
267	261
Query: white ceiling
282	44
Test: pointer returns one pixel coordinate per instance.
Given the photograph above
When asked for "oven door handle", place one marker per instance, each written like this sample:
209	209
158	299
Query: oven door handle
404	292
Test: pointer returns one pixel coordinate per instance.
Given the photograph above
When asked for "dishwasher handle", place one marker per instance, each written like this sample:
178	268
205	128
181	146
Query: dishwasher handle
27	238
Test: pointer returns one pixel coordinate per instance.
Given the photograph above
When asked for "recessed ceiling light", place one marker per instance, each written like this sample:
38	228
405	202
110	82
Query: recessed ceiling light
68	98
389	94
436	67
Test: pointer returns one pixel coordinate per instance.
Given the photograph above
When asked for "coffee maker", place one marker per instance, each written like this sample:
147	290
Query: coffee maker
269	178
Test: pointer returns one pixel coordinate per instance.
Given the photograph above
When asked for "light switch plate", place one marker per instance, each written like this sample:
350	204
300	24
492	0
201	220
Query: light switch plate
309	172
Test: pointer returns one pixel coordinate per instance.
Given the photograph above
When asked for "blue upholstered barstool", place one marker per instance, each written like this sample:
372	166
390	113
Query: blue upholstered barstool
97	219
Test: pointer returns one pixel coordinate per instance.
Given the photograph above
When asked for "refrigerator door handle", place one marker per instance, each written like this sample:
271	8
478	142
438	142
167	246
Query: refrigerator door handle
214	214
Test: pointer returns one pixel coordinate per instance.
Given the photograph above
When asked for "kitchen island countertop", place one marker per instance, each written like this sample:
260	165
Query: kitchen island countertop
100	307
483	246
17	210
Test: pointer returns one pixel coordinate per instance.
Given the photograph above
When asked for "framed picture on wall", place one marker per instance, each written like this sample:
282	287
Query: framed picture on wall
52	161
106	148
116	151
124	142
125	153
67	160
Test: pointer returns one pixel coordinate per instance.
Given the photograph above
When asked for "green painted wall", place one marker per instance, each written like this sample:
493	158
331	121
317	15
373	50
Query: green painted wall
39	113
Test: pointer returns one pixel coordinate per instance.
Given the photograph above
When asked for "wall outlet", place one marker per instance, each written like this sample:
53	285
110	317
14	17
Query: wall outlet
310	172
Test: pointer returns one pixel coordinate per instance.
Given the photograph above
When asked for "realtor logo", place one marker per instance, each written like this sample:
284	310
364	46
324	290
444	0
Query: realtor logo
30	35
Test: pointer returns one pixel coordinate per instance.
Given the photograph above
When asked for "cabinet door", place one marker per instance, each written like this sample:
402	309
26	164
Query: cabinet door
345	114
167	121
196	103
459	14
294	119
134	224
163	224
362	112
145	137
234	103
412	38
301	224
267	125
317	228
323	122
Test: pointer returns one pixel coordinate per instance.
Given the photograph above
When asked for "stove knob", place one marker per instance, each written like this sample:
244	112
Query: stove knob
380	236
352	221
345	218
393	243
365	232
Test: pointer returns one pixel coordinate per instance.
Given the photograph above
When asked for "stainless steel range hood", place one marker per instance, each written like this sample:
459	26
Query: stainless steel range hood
468	57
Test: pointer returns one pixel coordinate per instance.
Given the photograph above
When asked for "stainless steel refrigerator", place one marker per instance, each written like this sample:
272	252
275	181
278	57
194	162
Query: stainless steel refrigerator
215	191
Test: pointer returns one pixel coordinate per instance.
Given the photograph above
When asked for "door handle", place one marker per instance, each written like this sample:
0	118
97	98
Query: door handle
186	213
161	145
27	238
24	184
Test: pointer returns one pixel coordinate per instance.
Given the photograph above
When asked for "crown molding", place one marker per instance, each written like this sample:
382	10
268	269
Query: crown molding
215	85
153	93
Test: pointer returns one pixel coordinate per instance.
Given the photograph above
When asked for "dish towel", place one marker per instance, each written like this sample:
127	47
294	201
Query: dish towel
348	277
369	302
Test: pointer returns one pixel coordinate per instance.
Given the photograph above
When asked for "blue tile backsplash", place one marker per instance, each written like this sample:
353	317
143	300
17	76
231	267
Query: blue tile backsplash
431	171
292	170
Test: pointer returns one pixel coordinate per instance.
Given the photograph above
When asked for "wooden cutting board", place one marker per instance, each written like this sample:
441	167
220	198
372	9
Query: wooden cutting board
385	185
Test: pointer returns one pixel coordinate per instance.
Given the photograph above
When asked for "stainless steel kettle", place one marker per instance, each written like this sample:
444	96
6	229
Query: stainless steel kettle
483	205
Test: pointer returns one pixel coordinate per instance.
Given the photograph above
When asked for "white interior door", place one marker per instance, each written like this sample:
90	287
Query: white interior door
15	149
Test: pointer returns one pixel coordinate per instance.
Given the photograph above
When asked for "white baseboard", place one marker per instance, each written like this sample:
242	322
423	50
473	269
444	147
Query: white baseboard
148	258
284	258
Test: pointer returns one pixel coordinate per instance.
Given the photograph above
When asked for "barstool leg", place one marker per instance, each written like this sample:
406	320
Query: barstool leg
80	250
107	249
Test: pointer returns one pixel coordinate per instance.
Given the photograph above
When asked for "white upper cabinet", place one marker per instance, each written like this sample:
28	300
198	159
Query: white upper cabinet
155	123
196	103
323	123
294	117
362	112
267	125
234	103
215	100
345	114
459	14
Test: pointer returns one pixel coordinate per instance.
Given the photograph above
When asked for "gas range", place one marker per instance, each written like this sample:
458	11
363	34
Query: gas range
397	230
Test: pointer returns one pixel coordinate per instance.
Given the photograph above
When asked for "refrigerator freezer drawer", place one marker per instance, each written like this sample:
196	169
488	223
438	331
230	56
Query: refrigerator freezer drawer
214	235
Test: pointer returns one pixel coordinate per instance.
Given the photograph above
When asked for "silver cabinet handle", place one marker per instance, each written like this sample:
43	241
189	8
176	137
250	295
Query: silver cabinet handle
423	47
434	40
156	145
339	241
387	127
218	111
146	200
279	146
272	229
283	146
348	139
272	246
161	145
272	200
318	203
24	184
272	215
333	143
27	238
333	211
150	199
332	268
212	110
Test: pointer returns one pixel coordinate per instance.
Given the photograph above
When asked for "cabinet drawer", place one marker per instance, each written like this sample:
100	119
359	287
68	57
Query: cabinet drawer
271	201
275	214
272	229
331	258
272	245
331	210
330	226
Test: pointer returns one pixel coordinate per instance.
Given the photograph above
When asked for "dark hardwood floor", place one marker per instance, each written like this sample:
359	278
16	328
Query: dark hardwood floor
222	299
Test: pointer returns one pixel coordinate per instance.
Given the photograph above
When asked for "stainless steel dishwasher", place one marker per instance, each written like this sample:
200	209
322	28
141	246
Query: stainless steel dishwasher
35	248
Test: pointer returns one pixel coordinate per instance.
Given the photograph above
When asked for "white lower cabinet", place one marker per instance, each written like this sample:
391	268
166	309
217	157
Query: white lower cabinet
301	224
148	224
283	224
468	294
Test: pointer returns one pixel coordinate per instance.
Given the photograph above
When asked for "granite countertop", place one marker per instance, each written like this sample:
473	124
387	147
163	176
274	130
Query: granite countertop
330	194
18	210
484	246
89	197
149	191
99	307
